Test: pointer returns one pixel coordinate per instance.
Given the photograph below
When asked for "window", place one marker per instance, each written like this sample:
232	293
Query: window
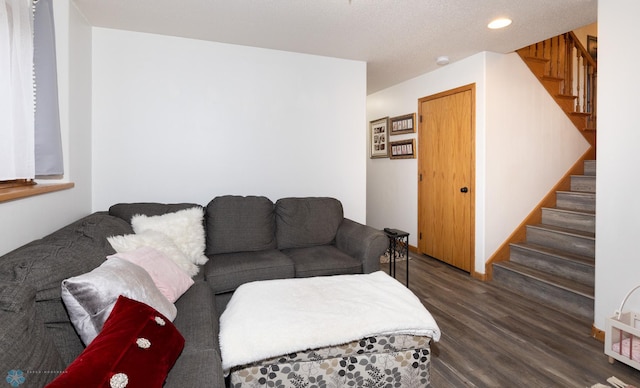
30	143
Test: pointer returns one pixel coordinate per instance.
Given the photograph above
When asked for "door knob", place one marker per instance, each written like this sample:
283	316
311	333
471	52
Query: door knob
464	189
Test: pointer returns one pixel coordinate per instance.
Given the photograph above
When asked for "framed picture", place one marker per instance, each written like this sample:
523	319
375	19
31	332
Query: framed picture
592	46
403	124
403	149
380	138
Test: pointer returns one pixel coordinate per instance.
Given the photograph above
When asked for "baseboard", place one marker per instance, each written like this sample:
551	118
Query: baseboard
597	333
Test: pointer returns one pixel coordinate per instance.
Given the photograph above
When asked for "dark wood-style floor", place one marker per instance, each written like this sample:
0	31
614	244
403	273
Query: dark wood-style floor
494	338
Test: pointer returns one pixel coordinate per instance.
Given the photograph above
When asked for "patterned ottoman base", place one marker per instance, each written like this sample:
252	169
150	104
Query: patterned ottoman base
382	361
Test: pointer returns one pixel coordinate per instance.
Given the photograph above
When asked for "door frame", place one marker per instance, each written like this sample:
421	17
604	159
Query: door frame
472	173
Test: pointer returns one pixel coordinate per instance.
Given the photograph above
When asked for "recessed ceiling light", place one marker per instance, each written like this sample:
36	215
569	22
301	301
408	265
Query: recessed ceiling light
499	23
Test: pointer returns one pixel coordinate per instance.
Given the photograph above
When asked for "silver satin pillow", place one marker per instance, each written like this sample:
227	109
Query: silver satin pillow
90	297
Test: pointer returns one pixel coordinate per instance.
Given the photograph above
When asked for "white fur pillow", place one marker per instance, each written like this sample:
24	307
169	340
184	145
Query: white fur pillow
184	227
157	240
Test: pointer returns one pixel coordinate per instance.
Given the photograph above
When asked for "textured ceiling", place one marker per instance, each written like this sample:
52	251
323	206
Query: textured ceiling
399	39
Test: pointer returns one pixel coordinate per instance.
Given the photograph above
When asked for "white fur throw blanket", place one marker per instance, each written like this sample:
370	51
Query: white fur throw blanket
270	318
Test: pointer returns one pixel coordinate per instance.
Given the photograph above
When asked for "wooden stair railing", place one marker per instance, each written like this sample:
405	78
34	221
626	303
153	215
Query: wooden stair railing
569	74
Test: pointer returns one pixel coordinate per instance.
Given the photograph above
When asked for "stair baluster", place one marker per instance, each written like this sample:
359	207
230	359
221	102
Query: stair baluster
565	61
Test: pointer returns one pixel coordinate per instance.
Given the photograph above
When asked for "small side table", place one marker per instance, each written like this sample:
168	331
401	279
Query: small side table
397	239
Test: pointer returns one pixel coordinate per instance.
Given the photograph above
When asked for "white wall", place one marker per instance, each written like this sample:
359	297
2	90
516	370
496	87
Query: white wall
617	205
26	219
392	185
178	120
516	165
530	145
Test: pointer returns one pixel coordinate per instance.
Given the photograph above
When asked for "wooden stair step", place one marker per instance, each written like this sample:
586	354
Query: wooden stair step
552	84
570	240
583	183
568	218
590	167
578	268
575	200
567	104
581	123
551	78
553	280
536	59
568	97
536	65
565	231
560	293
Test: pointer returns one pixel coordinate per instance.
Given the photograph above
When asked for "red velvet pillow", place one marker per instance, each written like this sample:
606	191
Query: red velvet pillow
136	348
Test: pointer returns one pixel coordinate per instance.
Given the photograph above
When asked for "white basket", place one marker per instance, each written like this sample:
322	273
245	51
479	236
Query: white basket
622	336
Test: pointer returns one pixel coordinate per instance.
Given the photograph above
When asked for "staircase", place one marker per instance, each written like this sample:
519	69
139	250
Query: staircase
555	264
569	74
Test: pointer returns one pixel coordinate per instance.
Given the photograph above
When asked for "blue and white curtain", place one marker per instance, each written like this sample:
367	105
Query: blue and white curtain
17	157
30	142
48	143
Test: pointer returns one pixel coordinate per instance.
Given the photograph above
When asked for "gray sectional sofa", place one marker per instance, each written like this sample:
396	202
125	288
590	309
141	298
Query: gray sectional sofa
247	239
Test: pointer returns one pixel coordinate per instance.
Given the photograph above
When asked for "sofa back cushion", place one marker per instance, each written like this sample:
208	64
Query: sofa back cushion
128	210
43	264
240	224
305	222
73	250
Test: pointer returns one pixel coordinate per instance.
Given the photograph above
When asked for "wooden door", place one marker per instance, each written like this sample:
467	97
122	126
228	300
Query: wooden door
446	160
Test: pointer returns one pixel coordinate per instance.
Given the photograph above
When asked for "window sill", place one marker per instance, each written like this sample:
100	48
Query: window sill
12	193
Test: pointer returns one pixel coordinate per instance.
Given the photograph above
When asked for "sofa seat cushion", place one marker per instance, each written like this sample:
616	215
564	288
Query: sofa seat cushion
305	222
196	368
197	318
26	348
225	272
240	224
322	260
60	329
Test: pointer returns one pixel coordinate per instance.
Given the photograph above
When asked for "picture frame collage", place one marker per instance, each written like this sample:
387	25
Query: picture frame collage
380	131
380	138
403	149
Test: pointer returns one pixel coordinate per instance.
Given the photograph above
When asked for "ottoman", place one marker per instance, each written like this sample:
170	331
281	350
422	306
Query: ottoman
355	330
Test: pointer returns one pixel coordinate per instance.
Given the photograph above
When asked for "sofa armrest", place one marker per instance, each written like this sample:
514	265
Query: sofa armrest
362	242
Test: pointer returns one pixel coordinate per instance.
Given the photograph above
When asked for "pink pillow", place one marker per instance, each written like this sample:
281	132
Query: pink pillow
167	276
